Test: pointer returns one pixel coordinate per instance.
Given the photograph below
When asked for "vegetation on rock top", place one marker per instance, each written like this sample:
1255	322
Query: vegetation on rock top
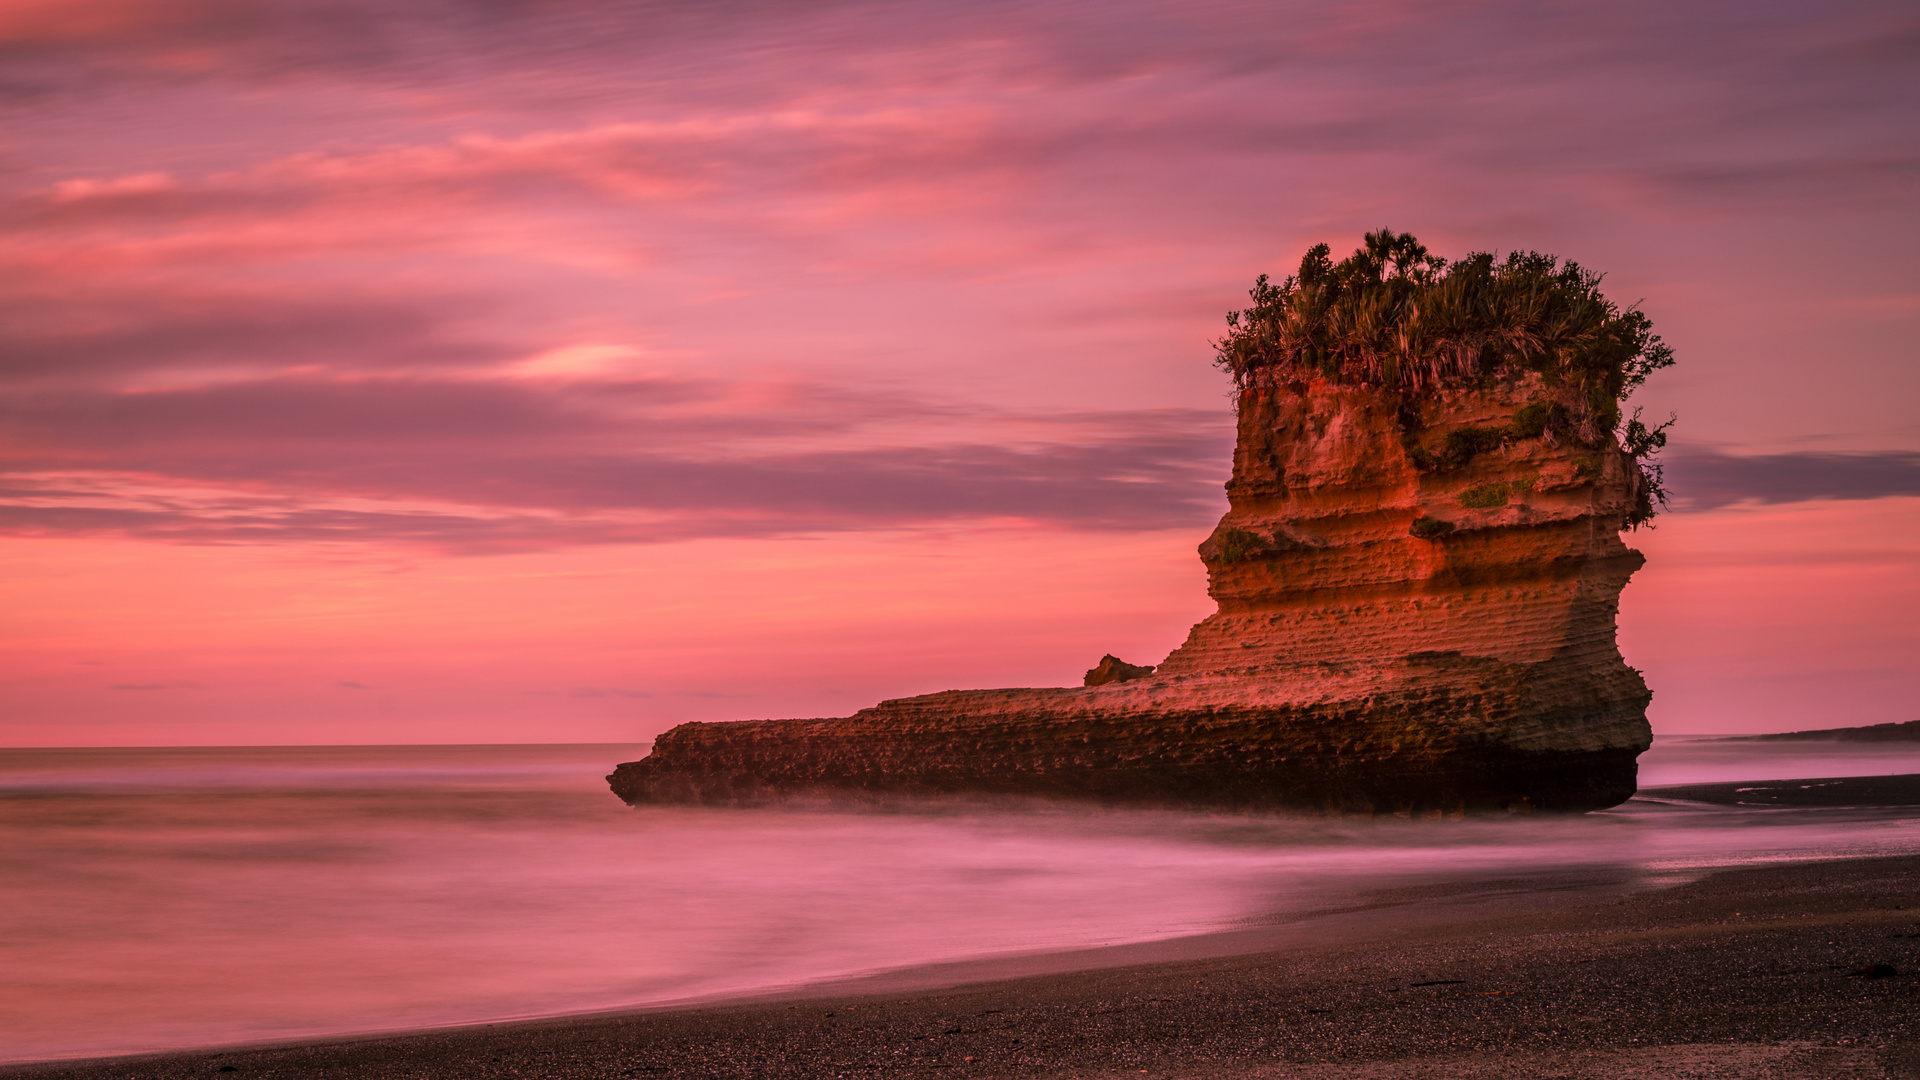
1394	316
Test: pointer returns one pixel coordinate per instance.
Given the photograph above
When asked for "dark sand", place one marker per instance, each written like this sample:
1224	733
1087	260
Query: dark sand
1742	973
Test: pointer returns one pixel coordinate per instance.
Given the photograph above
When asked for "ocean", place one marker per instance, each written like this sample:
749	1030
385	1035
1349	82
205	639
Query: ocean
155	899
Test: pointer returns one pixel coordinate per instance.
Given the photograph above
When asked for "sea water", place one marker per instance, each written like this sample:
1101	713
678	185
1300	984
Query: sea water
166	898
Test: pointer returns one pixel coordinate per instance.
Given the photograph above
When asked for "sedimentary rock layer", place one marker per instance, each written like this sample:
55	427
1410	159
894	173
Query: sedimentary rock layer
1416	616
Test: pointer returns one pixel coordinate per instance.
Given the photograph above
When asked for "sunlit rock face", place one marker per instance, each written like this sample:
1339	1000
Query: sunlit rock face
1401	630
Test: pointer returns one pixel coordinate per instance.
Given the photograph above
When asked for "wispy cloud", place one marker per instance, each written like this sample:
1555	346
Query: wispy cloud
488	463
1703	479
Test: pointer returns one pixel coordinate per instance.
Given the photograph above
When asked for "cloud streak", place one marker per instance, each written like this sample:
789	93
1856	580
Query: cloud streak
1703	479
468	465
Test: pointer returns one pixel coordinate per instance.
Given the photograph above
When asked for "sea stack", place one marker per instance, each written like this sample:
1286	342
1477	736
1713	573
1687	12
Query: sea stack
1417	580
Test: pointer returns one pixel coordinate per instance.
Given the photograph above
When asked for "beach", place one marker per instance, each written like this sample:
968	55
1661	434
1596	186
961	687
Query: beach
1743	972
449	912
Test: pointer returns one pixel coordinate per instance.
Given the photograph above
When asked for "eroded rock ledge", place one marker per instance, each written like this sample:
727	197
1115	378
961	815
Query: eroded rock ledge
1402	628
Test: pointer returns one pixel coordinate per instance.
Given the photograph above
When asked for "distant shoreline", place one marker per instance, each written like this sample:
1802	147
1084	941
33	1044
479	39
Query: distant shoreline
1748	969
1908	731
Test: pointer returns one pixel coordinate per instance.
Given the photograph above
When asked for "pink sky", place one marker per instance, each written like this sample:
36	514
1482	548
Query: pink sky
563	371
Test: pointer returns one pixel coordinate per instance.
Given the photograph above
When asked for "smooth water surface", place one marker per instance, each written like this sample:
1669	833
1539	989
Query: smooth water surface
164	898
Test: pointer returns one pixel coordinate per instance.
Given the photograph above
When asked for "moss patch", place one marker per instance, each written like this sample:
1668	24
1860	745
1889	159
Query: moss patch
1486	496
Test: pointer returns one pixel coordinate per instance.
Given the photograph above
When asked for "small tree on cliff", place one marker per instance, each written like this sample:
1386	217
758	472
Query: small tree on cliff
1394	316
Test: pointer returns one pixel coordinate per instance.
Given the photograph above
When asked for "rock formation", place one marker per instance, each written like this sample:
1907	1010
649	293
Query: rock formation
1416	616
1113	669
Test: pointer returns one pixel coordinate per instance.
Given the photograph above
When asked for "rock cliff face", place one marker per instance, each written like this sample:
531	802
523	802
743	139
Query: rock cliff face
1416	617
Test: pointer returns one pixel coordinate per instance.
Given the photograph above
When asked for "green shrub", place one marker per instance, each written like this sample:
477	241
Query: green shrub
1427	528
1233	545
1586	468
1486	496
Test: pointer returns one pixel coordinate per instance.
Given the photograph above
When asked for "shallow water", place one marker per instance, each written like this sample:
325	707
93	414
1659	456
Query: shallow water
155	899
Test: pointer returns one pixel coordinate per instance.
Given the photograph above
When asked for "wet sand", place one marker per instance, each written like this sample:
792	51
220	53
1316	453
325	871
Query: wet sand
1746	972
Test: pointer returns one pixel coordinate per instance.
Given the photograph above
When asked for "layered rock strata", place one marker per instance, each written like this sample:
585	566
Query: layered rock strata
1416	617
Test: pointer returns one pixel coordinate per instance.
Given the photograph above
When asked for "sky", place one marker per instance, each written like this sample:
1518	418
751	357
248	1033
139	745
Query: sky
561	371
